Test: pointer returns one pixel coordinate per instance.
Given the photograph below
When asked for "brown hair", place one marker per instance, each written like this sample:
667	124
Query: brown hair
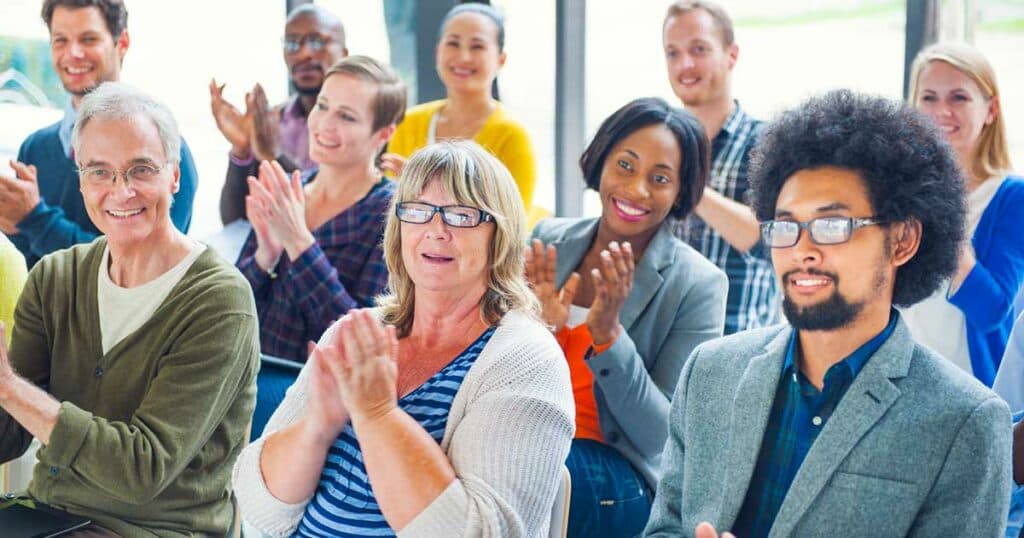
389	103
992	155
717	12
114	12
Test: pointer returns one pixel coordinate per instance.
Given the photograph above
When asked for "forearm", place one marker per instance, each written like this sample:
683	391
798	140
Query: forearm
48	230
236	188
288	477
406	467
734	221
30	406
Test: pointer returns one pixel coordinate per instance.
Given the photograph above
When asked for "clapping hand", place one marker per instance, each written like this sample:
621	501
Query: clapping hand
276	206
613	282
18	196
707	530
325	411
366	372
540	272
234	125
265	127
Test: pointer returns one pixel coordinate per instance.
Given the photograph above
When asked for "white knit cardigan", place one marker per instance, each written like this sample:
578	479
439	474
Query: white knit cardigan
508	434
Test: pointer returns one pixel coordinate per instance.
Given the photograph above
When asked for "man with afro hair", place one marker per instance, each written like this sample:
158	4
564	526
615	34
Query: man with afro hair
838	423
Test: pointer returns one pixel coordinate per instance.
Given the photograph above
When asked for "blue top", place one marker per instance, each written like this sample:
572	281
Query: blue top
343	504
60	220
799	413
987	294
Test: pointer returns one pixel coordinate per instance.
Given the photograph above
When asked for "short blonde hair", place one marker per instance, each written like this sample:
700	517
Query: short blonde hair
473	177
717	12
389	103
992	156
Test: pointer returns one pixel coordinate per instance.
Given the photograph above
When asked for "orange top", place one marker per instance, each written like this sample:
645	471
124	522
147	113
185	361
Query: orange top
575	342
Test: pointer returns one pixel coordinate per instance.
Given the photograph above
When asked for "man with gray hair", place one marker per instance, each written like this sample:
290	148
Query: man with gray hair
42	209
133	358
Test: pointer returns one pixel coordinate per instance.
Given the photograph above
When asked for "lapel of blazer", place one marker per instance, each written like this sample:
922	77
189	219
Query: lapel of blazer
647	279
751	406
870	395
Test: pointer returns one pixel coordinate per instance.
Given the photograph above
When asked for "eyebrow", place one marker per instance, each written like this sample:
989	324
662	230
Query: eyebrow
659	165
834	206
137	160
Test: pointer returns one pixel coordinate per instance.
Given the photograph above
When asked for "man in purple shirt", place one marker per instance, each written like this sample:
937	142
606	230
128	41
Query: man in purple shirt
314	39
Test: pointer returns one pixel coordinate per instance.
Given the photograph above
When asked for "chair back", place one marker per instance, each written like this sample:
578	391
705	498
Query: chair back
275	376
560	512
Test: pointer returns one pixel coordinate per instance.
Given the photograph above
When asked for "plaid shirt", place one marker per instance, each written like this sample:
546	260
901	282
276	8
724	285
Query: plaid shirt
798	415
344	269
753	298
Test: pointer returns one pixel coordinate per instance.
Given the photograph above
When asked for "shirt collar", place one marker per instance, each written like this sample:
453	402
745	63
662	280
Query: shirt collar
67	124
294	108
736	119
854	361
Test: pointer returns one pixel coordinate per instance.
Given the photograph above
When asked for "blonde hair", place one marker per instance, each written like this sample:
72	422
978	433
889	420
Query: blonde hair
473	177
992	155
389	103
717	12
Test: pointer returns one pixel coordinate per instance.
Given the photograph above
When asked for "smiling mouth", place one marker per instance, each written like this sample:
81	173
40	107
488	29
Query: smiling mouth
689	81
321	143
124	214
629	211
78	71
462	71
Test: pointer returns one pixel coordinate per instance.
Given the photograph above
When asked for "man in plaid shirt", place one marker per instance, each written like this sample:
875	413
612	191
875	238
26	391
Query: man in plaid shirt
700	52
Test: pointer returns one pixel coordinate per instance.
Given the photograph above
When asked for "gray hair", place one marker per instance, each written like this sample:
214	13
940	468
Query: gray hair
117	101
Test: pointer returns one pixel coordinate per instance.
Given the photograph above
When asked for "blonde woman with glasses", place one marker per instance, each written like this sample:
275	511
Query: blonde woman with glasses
445	412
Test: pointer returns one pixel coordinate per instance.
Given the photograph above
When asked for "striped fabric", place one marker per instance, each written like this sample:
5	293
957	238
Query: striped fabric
753	298
343	504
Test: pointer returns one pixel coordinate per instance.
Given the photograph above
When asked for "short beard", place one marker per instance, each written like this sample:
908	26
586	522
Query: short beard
307	92
833	313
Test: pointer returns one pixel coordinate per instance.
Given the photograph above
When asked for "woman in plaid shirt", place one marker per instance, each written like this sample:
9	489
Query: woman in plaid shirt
314	251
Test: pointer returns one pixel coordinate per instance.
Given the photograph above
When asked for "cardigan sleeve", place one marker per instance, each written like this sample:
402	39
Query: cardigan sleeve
986	296
632	391
509	447
196	385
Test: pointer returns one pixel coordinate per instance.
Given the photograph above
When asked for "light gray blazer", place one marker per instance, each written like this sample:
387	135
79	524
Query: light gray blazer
916	447
677	302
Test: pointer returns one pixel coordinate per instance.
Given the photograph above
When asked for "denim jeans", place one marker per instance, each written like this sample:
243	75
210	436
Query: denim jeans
609	498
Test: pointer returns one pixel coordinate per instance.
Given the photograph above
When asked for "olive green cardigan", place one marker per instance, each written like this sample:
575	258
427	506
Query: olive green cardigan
148	432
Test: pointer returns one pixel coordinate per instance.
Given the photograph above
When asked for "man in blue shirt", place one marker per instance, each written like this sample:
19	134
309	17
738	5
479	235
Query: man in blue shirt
839	424
42	208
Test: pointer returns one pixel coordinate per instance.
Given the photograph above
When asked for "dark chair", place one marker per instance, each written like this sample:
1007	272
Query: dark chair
275	376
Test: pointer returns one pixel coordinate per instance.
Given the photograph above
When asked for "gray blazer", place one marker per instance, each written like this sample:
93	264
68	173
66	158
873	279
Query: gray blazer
677	302
916	447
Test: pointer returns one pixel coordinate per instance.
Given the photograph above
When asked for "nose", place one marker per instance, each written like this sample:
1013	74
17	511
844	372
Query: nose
76	50
122	190
686	61
437	228
805	251
637	188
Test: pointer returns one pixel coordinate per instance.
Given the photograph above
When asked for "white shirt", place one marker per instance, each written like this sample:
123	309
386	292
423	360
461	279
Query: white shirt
124	310
937	323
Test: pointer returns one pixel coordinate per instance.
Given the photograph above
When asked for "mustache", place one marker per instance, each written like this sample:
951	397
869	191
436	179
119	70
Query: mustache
309	63
786	276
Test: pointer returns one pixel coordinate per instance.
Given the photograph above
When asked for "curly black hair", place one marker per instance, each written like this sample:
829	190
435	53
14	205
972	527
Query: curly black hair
114	12
908	168
640	113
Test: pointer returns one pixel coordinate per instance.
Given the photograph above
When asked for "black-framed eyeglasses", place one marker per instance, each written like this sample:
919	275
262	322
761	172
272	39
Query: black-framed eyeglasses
823	230
459	216
139	174
315	42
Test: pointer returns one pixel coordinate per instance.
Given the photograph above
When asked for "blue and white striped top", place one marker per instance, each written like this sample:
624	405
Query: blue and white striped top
343	504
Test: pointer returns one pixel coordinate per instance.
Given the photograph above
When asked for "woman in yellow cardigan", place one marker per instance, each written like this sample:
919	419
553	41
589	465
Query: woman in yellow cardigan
470	52
12	279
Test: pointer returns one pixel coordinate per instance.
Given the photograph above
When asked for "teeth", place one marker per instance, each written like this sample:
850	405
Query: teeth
462	72
689	81
810	282
78	70
325	144
124	214
630	209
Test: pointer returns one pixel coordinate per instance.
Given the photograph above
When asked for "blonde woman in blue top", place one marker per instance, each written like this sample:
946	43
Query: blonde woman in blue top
969	320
